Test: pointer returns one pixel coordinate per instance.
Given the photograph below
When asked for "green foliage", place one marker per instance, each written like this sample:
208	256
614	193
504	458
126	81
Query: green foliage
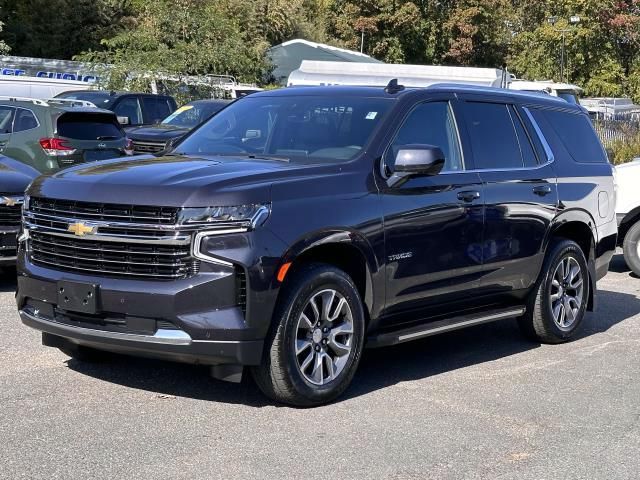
625	150
4	48
231	36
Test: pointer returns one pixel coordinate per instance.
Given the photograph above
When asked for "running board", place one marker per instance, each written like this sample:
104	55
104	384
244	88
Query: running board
442	326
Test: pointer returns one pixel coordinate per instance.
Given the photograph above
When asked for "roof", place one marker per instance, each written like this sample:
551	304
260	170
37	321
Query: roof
288	56
368	91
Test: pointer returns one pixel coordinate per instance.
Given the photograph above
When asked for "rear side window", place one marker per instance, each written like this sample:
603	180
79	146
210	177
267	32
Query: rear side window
129	107
6	119
25	120
526	149
156	109
89	127
575	132
493	138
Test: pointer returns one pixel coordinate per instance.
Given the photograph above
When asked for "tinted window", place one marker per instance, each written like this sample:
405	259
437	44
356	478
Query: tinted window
305	128
99	99
25	120
576	133
155	109
89	127
6	119
130	107
493	138
526	149
430	124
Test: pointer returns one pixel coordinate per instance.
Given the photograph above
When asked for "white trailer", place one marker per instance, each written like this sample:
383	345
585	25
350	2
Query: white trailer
37	87
379	74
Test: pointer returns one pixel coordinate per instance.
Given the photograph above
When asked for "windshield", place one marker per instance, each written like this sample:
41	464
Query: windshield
97	98
302	129
194	114
568	96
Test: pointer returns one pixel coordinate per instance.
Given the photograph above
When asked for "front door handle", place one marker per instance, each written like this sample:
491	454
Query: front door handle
542	190
468	196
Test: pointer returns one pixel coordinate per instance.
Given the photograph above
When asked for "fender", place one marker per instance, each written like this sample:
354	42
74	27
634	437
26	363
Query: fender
374	277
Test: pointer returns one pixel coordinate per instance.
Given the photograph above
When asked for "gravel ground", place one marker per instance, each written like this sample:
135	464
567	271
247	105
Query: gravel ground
480	403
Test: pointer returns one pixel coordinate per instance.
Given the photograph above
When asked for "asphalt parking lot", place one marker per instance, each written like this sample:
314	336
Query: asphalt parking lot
482	403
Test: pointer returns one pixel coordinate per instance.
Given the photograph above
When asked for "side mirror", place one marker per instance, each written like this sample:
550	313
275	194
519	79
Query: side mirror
419	160
124	120
610	154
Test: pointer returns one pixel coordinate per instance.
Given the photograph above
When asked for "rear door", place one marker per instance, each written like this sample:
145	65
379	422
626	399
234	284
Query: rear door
94	135
520	188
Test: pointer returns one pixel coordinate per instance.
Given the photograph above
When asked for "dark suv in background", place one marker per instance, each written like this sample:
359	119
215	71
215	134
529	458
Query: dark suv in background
300	224
161	136
132	109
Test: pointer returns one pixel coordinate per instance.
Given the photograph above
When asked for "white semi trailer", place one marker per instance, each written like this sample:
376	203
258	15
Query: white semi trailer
313	72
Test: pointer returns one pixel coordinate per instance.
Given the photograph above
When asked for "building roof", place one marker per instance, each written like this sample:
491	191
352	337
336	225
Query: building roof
288	56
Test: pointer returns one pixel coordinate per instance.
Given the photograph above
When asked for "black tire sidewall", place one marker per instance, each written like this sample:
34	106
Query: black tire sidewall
318	279
561	251
630	248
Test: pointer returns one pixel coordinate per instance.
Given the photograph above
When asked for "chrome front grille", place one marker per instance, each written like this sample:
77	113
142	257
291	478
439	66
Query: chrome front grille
114	240
148	147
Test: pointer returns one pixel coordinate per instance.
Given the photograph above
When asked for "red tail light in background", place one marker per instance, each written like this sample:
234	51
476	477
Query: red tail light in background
56	147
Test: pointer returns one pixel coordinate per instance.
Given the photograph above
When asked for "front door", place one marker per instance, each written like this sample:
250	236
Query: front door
433	224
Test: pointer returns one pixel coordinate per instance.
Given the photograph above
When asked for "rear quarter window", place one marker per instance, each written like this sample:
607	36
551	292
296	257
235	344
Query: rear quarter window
574	132
89	127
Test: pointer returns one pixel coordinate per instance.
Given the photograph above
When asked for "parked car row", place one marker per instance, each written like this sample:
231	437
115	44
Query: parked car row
296	226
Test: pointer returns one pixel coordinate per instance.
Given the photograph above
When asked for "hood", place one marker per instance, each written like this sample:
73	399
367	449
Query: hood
156	133
15	176
173	180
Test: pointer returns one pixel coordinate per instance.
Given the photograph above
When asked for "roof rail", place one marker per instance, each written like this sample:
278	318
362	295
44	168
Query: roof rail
35	101
71	102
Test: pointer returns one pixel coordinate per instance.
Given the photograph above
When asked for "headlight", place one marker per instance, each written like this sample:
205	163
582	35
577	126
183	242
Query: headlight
248	216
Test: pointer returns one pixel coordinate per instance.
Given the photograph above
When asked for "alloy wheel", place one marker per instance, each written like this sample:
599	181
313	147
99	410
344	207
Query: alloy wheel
324	337
567	292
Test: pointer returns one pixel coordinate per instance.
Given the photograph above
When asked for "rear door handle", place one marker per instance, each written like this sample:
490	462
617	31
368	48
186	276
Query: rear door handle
542	190
468	196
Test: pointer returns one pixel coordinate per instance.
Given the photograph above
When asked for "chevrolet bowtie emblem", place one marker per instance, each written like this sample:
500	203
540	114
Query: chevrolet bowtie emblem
9	202
80	229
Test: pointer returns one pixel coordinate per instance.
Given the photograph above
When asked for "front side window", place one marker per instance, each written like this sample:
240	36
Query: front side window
25	120
493	138
299	129
430	124
6	119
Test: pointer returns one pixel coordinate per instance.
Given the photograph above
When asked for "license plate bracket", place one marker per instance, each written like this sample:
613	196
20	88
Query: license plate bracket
78	297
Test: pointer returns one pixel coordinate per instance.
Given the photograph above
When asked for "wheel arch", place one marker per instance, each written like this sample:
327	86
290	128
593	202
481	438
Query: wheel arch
578	226
344	249
627	222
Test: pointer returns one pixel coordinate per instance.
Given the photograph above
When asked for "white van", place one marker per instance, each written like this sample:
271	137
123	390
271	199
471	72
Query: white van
37	87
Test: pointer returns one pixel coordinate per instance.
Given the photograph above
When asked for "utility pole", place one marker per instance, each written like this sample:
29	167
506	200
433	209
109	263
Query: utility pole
573	20
362	41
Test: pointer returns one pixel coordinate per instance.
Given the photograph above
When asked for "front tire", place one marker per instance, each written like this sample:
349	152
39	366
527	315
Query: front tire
557	306
631	248
316	341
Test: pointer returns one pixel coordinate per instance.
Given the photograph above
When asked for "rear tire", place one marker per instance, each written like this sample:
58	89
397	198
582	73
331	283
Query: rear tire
558	303
630	248
315	343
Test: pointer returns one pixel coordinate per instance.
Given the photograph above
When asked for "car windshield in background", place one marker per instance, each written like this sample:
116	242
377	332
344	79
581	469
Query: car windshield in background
303	129
97	98
189	116
568	96
81	126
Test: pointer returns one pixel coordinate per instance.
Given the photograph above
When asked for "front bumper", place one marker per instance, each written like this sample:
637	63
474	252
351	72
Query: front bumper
193	320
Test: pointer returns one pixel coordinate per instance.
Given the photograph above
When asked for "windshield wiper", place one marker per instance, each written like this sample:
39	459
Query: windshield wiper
107	137
257	156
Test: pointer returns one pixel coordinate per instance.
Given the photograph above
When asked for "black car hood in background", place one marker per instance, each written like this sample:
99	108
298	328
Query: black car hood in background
172	180
15	176
157	133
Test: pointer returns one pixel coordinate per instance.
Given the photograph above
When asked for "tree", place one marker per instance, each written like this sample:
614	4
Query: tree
4	48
